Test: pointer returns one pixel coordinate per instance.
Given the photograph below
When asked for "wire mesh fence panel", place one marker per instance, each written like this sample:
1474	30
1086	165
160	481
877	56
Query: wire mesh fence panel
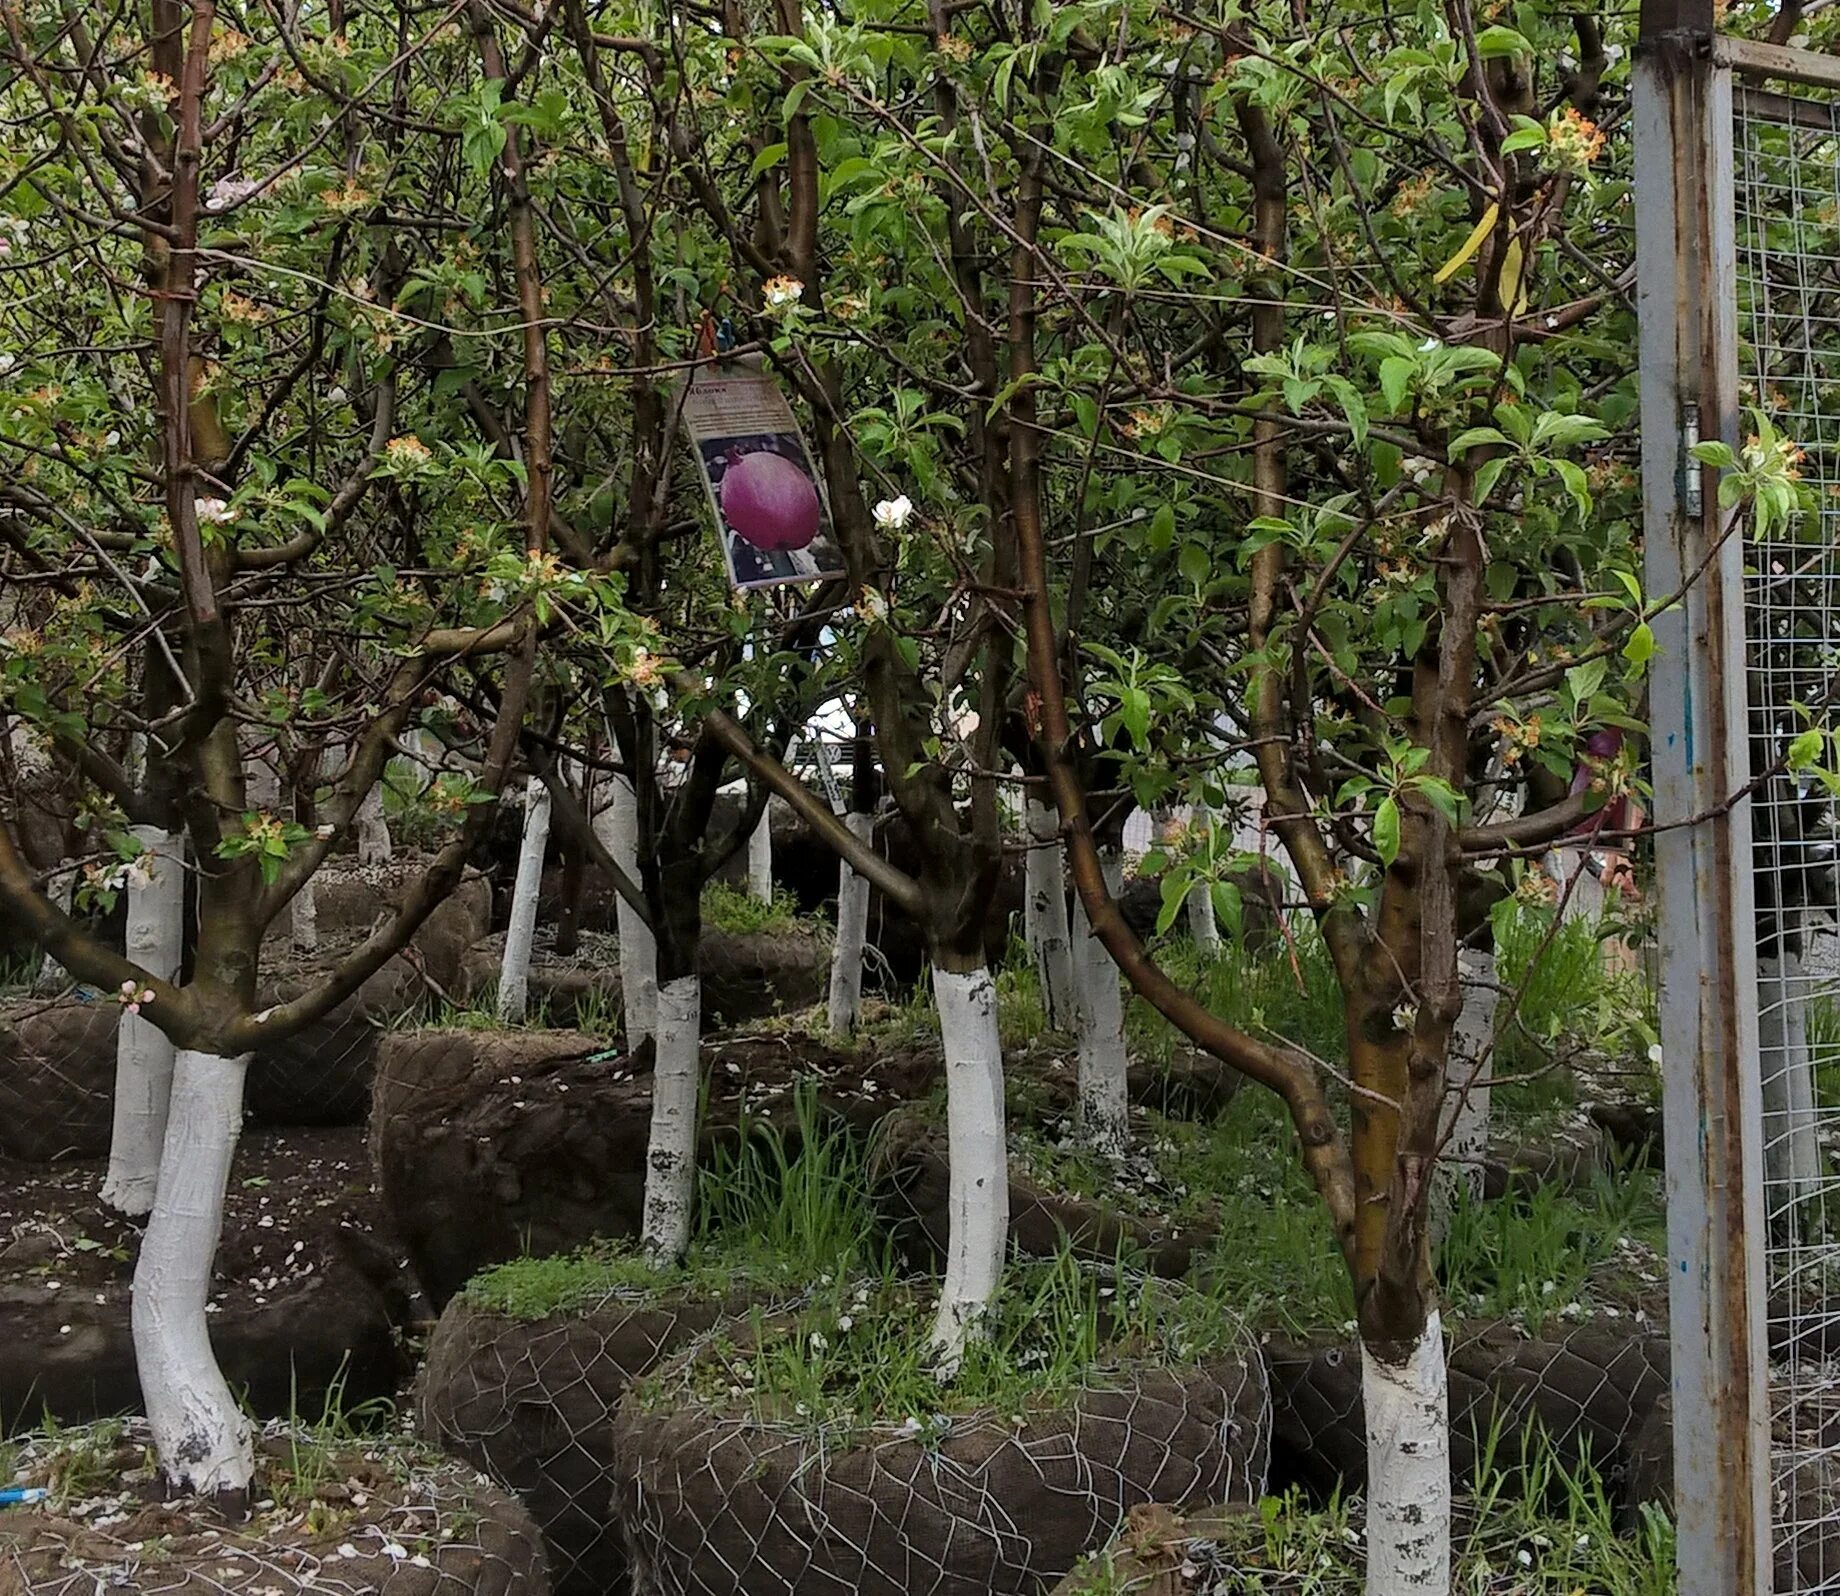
1786	193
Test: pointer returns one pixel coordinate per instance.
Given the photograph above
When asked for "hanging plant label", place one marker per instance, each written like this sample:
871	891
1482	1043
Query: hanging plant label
769	505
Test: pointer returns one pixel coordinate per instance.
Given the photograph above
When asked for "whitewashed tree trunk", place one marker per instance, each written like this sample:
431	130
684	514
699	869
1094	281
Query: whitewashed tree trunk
374	847
520	934
670	1155
617	826
1465	1124
61	889
1045	917
1792	1161
200	1435
303	919
155	940
1203	928
1408	1468
852	932
1104	1109
978	1200
760	859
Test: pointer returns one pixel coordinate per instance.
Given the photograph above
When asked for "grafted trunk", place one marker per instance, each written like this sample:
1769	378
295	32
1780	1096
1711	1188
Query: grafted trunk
1104	1102
1045	917
852	933
618	828
201	1438
1792	1161
1406	1394
155	940
670	1157
1464	1131
374	847
978	1196
520	934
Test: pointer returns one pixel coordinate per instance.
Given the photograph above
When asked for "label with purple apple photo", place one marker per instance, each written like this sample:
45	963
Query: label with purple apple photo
770	509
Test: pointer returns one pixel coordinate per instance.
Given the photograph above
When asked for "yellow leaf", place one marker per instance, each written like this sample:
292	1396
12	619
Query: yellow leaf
1513	293
1474	242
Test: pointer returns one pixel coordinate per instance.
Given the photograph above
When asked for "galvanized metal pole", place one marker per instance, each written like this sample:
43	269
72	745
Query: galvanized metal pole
1686	294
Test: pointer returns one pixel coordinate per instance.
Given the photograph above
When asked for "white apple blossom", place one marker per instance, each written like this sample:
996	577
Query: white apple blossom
893	514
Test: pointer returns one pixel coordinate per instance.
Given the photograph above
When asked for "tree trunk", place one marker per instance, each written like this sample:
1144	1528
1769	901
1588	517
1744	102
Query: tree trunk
1045	917
1203	928
618	828
1405	1391
760	859
373	830
303	922
852	933
61	889
1464	1132
1104	1109
520	934
979	1179
1792	1162
200	1435
670	1157
155	940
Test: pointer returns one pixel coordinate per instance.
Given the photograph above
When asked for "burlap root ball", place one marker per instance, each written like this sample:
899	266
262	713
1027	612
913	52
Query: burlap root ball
531	1402
715	1504
57	1077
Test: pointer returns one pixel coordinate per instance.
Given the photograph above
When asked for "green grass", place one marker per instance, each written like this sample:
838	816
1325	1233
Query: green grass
1287	992
731	909
1540	1531
857	1352
1535	1255
776	1209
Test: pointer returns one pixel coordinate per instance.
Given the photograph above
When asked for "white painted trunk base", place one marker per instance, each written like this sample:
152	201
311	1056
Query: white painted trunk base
1104	1109
520	934
1464	1126
200	1435
1408	1469
1203	928
978	1201
374	846
617	826
670	1156
303	921
1792	1162
852	933
1045	917
155	940
760	861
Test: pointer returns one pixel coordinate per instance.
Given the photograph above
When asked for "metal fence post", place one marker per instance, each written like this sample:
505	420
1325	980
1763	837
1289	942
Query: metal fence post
1708	977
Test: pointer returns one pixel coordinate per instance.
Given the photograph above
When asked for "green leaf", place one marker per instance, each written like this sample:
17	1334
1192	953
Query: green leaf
1163	529
1640	648
1498	41
1806	749
769	157
1477	436
1714	453
1229	906
1193	563
1174	893
1386	831
1395	378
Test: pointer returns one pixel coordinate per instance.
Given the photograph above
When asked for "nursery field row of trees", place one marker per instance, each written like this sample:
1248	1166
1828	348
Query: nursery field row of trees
488	489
